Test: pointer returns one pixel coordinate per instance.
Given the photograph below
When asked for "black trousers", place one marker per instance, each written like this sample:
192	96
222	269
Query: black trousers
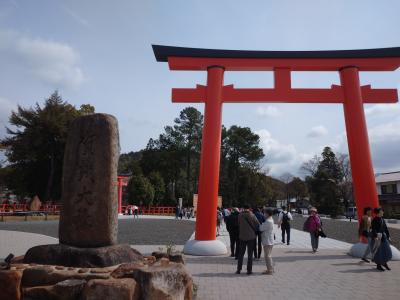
258	247
285	229
234	238
242	250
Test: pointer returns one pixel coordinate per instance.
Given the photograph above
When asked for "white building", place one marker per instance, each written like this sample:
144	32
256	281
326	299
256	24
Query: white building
388	187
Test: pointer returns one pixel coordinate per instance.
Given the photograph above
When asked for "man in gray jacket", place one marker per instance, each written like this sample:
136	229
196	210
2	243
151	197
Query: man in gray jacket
248	225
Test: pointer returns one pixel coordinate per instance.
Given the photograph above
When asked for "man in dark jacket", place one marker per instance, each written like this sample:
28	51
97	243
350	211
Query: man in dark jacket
248	225
232	225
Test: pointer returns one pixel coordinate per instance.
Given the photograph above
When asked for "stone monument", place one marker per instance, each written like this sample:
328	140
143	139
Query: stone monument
89	215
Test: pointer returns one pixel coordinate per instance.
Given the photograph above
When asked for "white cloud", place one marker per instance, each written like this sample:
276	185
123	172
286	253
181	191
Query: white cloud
268	111
317	131
54	63
384	142
379	110
280	158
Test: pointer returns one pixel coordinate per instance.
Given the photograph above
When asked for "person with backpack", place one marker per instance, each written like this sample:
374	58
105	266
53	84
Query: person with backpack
364	231
284	219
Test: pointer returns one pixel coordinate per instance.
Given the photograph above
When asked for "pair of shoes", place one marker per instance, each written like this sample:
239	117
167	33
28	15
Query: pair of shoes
387	267
249	273
237	272
314	250
232	255
283	241
379	267
288	243
364	259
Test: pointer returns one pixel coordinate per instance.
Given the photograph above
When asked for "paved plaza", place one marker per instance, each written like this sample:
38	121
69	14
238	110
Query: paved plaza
328	274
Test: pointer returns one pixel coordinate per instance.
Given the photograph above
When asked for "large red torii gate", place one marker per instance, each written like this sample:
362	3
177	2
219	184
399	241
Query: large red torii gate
347	62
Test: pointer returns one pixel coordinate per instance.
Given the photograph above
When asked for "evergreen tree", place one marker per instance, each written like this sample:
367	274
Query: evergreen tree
140	191
324	185
35	147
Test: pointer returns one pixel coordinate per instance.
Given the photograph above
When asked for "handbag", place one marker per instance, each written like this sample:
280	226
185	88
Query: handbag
321	233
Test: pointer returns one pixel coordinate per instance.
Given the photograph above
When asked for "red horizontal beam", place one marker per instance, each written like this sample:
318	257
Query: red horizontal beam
332	95
294	64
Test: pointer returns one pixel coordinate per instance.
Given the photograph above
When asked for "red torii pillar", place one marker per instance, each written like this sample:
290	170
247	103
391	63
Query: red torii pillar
122	181
347	62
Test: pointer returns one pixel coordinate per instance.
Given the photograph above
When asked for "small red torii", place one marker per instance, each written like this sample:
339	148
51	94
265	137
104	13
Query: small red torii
122	181
347	62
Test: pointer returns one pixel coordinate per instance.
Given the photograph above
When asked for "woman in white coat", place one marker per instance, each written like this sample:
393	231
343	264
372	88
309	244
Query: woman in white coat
267	240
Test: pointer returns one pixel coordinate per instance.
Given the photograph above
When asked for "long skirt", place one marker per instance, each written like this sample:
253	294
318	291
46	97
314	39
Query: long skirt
383	253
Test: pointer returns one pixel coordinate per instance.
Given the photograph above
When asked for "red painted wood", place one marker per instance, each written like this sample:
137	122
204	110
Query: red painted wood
206	221
294	64
357	139
282	94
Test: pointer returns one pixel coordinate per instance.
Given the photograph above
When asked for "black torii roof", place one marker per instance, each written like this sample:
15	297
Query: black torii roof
163	52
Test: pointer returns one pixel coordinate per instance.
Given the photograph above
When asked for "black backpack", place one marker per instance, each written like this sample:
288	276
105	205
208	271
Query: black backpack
285	219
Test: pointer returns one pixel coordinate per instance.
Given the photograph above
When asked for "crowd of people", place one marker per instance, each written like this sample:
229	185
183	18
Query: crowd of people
184	212
252	230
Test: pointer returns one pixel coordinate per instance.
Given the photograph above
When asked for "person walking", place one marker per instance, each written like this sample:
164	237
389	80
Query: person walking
248	225
267	239
313	225
381	252
261	219
364	231
232	225
284	219
219	219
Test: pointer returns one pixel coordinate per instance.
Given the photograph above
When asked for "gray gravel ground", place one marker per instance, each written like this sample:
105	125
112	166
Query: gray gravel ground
344	230
177	232
130	231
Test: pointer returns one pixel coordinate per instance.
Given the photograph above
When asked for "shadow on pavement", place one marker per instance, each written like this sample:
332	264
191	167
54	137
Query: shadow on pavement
229	260
358	271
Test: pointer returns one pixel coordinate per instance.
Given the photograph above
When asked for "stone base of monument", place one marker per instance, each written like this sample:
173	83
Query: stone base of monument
146	279
358	250
70	256
205	248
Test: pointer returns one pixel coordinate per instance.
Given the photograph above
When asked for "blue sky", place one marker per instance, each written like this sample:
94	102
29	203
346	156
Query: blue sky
99	52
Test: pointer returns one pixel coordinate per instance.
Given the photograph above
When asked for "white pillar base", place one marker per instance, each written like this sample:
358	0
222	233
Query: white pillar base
357	250
205	248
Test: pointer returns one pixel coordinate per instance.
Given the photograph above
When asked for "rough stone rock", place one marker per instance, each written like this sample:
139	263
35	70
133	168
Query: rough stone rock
65	290
112	289
69	289
124	270
82	257
47	275
35	204
39	292
89	216
171	282
10	282
150	260
18	259
164	262
174	257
